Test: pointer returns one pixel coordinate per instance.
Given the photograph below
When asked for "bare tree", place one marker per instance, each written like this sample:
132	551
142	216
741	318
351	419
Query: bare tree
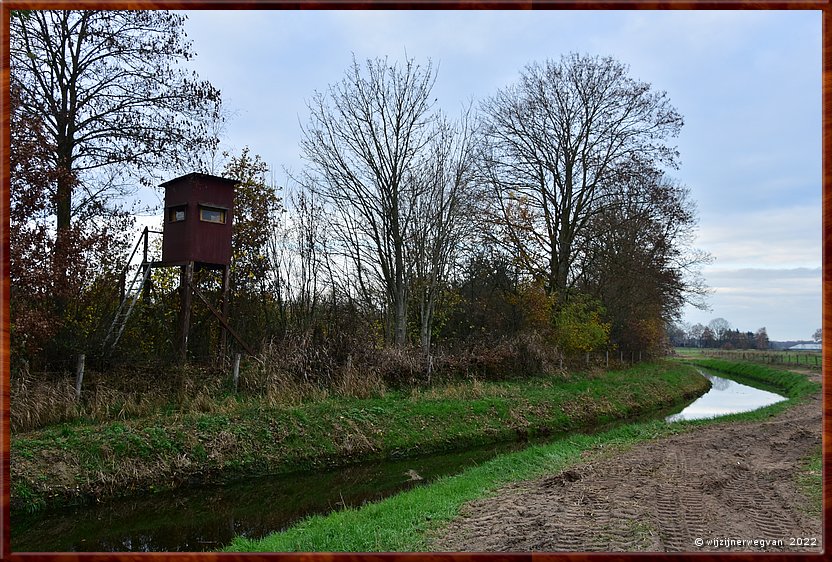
113	101
761	338
696	332
555	145
363	139
720	328
311	255
818	335
445	210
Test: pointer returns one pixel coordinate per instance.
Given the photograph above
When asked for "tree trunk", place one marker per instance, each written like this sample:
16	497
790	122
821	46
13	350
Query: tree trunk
63	203
63	213
400	318
186	276
426	316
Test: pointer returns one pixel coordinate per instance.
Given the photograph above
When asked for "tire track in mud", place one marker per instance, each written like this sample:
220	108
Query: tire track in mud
733	480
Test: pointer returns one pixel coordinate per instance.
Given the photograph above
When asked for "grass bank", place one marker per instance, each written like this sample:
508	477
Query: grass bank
793	385
78	462
406	522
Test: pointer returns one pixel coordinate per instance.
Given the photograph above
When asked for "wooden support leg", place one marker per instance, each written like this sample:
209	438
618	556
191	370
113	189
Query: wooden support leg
226	275
186	277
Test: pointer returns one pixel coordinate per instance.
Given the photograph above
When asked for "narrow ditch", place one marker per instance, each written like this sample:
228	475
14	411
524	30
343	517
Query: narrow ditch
207	518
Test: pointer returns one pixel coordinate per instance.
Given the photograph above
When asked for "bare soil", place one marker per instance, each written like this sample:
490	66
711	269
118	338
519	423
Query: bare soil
735	480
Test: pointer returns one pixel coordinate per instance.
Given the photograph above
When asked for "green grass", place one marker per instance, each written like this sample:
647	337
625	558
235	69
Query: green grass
77	462
406	522
810	481
688	351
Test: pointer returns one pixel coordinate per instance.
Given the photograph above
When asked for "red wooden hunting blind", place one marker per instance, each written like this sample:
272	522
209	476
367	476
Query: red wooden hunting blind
196	234
198	225
199	212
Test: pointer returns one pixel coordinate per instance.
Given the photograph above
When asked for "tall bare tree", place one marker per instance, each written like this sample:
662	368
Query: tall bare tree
112	98
363	138
761	338
555	144
445	211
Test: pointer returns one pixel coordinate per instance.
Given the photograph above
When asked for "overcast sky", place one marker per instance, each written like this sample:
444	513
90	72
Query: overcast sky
747	83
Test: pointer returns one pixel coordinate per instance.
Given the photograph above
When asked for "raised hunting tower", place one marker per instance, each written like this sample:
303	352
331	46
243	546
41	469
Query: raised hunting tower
197	232
199	211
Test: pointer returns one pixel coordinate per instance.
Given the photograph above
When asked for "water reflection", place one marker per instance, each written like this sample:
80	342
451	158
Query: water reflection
726	397
207	518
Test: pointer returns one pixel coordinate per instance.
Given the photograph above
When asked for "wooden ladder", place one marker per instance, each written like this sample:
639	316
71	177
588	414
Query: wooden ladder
131	293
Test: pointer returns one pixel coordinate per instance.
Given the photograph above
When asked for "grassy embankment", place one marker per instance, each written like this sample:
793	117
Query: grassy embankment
82	461
406	522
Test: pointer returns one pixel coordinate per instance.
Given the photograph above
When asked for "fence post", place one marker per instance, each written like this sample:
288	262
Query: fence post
79	375
607	358
236	370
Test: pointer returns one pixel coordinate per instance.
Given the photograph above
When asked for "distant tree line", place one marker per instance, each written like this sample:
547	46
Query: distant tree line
538	224
718	334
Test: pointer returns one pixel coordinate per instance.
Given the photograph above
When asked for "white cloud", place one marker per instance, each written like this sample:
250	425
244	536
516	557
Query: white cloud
786	237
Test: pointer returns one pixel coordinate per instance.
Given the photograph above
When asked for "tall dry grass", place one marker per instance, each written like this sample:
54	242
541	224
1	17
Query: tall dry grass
287	372
296	369
42	399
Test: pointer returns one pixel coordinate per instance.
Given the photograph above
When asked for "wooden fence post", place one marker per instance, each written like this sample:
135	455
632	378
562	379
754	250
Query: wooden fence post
79	375
236	370
607	358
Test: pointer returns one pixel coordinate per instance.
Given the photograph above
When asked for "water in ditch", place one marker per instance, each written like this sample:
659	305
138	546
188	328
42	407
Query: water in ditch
208	517
725	397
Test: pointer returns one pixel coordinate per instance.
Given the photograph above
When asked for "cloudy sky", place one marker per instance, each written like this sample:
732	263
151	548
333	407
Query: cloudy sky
747	83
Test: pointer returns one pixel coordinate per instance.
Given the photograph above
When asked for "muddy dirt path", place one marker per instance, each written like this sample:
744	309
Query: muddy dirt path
728	481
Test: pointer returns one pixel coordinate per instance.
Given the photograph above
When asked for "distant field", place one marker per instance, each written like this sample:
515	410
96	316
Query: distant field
811	359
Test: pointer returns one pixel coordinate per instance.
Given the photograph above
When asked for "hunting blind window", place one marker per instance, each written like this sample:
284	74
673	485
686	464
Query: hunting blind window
176	214
212	214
